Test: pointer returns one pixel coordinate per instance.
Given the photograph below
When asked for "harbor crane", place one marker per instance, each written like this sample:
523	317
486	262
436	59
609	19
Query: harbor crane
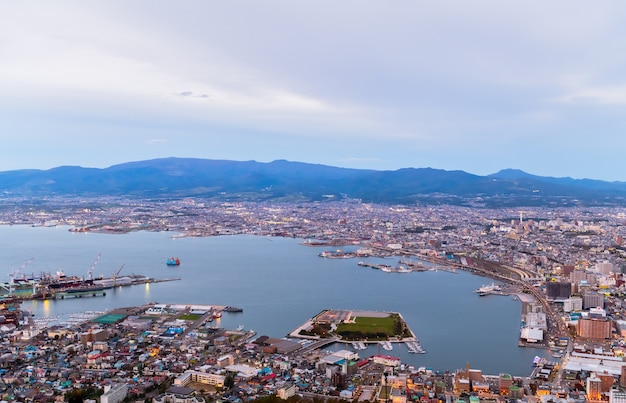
114	276
13	275
93	266
19	269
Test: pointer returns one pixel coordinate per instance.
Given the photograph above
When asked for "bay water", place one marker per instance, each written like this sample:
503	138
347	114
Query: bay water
280	284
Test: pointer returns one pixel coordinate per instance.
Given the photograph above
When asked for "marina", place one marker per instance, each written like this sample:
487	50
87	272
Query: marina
415	347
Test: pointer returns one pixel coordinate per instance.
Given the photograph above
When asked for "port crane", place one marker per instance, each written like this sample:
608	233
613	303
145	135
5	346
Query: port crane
93	266
16	272
114	276
19	269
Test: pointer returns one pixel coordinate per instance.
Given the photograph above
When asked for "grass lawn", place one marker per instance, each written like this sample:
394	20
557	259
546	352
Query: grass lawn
368	325
190	316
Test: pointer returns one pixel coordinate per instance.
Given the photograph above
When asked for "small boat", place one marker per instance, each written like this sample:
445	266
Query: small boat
386	345
173	261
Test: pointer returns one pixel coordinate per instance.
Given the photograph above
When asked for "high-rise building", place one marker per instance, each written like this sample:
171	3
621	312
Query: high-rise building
505	382
573	304
558	290
593	300
594	328
594	391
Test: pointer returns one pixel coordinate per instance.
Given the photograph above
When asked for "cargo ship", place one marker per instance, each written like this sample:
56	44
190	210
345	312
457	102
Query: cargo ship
232	309
173	261
62	282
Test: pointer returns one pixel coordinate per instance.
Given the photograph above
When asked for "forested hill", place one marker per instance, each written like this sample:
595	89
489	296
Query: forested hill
295	181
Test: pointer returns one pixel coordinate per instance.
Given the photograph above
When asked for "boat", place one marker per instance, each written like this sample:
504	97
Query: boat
415	347
488	289
173	261
338	254
232	309
558	354
386	345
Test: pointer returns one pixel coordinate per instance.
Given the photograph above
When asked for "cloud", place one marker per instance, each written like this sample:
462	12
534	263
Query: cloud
156	141
596	95
469	79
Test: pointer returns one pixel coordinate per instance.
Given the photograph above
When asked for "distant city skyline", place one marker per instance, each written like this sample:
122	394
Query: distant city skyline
477	87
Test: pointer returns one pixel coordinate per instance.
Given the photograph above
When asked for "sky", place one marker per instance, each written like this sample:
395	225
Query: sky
477	86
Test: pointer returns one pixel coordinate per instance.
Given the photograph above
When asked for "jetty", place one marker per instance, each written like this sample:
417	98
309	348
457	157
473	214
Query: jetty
79	294
415	347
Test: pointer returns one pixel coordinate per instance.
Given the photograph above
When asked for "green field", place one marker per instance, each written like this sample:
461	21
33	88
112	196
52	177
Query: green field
371	328
190	316
109	318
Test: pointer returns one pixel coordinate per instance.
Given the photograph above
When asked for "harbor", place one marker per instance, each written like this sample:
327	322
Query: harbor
268	306
49	289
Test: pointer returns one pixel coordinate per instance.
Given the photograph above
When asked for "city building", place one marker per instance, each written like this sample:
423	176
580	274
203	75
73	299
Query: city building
114	393
594	328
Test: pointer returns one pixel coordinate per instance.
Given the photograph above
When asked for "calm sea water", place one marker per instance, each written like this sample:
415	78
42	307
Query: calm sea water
280	284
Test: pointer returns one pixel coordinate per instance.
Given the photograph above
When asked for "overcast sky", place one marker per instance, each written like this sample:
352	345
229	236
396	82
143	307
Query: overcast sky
457	85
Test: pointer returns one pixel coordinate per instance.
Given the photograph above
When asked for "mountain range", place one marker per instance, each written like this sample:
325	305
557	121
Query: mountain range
295	181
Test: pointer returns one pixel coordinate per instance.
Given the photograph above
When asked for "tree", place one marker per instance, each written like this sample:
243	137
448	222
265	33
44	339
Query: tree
229	381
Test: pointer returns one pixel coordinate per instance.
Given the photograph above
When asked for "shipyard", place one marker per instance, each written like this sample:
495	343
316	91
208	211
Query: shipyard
60	286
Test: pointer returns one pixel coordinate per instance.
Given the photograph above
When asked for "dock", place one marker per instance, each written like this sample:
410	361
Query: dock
46	293
80	294
374	266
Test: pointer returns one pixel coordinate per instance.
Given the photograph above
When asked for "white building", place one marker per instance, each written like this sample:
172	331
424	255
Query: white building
386	360
617	397
531	335
536	320
114	393
201	377
573	304
286	392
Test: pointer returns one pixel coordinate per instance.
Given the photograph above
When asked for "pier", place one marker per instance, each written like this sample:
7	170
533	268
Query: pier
80	294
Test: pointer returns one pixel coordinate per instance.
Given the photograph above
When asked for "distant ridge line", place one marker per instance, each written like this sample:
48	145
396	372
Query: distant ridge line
286	181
